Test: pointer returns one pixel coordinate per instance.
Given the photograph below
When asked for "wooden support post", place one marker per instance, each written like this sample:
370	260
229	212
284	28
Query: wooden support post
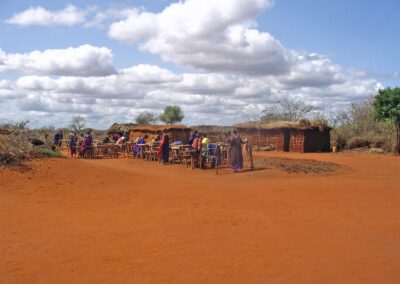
249	150
228	155
251	158
217	156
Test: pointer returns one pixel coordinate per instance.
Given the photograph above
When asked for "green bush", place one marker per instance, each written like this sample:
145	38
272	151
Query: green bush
355	127
49	153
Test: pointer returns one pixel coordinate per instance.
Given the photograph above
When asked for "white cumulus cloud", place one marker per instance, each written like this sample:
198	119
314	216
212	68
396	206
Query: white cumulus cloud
235	69
85	60
205	98
206	34
39	16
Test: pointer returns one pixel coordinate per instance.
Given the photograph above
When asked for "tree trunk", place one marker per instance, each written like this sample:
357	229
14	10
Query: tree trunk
398	138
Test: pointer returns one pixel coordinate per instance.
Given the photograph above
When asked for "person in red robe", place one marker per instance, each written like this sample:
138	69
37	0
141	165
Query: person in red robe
163	152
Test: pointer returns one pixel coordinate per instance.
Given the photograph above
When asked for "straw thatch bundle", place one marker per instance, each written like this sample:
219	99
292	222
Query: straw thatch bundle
121	127
158	128
15	146
300	124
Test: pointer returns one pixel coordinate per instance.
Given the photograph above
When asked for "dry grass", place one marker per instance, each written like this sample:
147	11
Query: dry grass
289	165
300	124
15	147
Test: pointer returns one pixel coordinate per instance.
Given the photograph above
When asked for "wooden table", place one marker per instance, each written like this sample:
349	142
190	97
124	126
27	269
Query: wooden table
152	151
108	150
129	147
178	152
64	144
142	150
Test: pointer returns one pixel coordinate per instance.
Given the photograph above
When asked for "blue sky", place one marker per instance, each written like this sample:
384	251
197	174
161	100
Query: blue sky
221	62
357	33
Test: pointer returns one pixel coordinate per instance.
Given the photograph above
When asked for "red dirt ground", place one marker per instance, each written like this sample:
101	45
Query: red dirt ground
129	221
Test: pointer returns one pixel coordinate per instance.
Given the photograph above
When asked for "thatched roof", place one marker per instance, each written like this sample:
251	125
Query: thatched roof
212	128
301	124
5	131
158	128
120	127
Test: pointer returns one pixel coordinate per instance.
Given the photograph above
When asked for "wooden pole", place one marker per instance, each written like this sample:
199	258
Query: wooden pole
251	158
398	138
217	156
228	155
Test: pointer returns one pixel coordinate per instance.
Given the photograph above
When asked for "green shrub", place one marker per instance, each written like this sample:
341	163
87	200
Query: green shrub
49	153
355	127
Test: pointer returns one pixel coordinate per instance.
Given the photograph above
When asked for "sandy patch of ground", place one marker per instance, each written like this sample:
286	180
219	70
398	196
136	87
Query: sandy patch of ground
291	165
129	221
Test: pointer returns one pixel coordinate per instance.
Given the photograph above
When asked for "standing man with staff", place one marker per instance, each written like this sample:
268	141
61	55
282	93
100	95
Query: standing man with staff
236	142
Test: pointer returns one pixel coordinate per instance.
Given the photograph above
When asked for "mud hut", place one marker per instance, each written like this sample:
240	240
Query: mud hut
298	136
215	133
175	132
118	128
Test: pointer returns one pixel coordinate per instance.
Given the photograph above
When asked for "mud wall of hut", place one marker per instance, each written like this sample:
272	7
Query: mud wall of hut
213	132
174	134
309	140
293	140
317	141
297	138
274	138
215	136
179	135
135	134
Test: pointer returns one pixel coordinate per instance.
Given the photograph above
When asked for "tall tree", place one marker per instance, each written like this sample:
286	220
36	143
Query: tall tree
172	115
145	118
288	110
387	108
77	123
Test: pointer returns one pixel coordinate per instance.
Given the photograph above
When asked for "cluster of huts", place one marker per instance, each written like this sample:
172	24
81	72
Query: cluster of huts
281	136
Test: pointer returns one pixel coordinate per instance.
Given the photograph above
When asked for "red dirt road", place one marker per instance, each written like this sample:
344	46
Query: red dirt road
129	221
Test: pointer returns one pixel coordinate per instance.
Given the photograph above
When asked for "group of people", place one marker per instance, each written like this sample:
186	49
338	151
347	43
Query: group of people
197	145
76	145
235	142
163	151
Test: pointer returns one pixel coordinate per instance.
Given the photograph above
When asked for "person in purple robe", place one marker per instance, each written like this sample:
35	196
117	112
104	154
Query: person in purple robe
236	142
137	148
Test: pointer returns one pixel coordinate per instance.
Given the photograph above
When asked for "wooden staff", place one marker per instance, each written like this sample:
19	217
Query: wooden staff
250	156
228	155
217	155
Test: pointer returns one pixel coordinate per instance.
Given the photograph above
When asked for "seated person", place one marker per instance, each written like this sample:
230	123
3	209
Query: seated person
137	148
205	140
120	141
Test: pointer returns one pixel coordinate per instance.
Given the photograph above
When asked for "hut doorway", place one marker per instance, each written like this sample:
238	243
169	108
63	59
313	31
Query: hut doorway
286	140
